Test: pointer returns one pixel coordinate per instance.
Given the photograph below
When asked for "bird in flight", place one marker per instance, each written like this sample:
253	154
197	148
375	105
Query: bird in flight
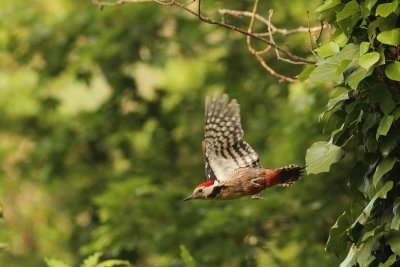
231	165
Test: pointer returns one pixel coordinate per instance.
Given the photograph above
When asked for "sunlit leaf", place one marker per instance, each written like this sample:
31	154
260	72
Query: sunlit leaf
390	37
351	257
340	38
327	69
327	5
392	70
321	155
305	73
368	60
349	10
55	263
186	257
3	246
385	10
369	4
92	260
114	263
328	49
364	47
357	76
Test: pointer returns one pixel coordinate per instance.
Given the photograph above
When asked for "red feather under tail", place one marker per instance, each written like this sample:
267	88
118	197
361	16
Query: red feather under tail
284	176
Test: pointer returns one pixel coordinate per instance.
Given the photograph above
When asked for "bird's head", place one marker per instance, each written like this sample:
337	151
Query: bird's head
202	191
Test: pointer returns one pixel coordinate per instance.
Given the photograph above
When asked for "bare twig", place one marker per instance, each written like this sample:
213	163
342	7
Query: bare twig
258	54
209	21
272	29
118	2
285	32
278	56
309	32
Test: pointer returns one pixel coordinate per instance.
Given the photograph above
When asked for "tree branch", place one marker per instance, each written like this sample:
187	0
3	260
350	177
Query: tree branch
207	20
271	30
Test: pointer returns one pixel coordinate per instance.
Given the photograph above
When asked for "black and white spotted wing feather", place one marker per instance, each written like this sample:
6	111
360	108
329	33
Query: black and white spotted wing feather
224	149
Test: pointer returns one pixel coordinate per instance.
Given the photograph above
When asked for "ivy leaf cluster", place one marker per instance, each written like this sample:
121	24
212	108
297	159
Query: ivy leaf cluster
362	61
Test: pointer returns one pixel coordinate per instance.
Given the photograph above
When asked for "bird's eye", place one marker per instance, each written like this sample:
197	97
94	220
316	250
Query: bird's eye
200	190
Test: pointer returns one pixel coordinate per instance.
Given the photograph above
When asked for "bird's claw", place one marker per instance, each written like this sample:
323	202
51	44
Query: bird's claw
257	197
254	182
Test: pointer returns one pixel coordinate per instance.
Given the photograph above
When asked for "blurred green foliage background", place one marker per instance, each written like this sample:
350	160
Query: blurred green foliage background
101	129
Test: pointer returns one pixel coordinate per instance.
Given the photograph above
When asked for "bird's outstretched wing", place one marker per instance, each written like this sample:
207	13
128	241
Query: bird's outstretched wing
224	149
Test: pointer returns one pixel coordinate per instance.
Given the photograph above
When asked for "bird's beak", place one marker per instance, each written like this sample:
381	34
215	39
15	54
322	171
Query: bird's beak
187	198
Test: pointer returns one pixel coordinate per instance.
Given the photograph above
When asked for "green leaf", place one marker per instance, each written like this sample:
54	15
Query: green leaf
365	255
321	155
382	60
396	212
340	38
1	212
305	73
112	263
370	143
351	257
388	23
342	66
392	70
3	246
394	242
380	94
186	257
334	101
384	126
337	235
55	263
357	76
369	4
364	47
390	37
326	69
389	262
324	72
385	10
328	49
369	59
357	175
92	260
362	219
372	27
389	143
396	113
349	10
384	166
327	5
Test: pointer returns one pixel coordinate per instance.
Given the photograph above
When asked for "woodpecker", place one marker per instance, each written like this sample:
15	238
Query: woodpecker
231	165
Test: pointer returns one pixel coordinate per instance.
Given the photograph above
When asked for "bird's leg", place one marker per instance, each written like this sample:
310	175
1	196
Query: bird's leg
254	182
257	196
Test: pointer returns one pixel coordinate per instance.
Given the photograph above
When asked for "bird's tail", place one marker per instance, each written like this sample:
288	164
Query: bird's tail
287	175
